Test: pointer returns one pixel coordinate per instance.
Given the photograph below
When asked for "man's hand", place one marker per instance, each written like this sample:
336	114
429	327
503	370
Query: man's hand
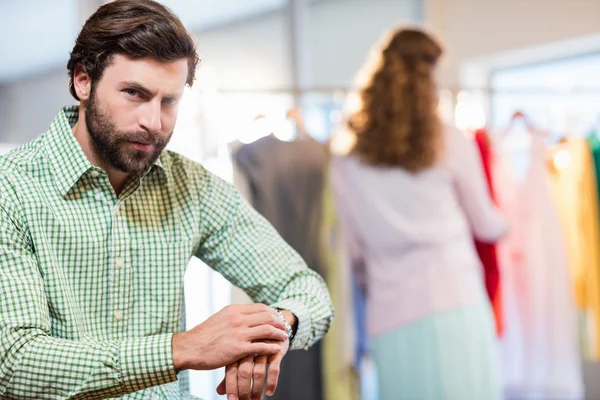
244	380
236	332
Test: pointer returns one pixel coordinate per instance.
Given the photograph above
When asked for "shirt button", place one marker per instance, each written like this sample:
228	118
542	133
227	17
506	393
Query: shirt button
95	174
118	315
120	263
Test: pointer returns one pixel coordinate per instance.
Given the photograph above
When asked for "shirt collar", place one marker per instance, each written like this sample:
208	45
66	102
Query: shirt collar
162	169
67	158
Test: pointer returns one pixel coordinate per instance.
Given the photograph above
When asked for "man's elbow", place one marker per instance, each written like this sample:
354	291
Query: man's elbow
13	343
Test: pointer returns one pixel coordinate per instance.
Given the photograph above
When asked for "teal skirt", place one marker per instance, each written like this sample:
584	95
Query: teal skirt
447	356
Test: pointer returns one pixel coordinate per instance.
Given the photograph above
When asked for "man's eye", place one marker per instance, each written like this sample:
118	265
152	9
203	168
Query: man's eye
131	92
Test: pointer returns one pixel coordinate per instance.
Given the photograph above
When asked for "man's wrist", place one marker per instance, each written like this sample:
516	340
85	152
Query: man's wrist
291	319
179	352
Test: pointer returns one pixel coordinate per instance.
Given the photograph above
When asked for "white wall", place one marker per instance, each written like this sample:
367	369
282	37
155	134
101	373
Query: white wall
28	106
475	28
343	32
250	54
255	53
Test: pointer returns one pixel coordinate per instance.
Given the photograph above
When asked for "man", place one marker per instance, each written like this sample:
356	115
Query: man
97	225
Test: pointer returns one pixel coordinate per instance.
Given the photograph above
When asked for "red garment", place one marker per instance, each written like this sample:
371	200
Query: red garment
487	251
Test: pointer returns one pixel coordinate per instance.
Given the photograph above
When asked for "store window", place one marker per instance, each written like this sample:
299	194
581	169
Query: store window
561	96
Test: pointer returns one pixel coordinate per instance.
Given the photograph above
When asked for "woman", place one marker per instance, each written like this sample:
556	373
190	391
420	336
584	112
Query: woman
411	195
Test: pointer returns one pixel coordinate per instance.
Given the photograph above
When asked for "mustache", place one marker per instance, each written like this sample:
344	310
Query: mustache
140	137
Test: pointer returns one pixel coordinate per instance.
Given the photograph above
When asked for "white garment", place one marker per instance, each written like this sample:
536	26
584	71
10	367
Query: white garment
539	346
414	232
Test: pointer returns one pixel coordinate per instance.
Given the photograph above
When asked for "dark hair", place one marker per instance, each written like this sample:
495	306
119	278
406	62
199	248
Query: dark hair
136	29
397	124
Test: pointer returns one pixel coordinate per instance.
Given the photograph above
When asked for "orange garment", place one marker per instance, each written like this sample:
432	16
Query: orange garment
574	185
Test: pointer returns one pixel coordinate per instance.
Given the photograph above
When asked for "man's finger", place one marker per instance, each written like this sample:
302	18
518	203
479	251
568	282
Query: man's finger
231	380
258	376
221	390
255	309
267	332
244	378
273	374
262	348
266	319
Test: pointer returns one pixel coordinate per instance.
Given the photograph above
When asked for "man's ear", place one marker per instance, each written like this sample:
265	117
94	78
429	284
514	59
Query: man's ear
82	83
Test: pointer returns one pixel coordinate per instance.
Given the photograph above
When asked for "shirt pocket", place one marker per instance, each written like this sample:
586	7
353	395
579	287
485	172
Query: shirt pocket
159	284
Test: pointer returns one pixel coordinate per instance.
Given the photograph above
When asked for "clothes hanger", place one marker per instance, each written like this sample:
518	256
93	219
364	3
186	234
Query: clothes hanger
520	115
531	129
295	115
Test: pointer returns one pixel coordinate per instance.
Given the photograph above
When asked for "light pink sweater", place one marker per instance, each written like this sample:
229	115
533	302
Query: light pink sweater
414	232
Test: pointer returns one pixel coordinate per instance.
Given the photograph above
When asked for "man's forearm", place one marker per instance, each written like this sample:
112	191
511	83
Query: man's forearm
249	253
311	309
36	365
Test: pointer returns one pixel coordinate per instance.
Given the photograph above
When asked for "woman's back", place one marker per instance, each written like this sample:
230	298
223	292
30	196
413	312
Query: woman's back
414	230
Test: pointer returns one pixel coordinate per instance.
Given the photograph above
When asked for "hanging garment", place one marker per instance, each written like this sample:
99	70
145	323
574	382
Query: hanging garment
340	354
487	251
573	178
539	347
413	232
285	181
594	145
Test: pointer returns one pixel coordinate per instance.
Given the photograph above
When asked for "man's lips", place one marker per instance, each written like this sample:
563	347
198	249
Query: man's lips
140	146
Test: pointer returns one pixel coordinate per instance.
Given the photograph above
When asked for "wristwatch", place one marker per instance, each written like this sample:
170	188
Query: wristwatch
288	327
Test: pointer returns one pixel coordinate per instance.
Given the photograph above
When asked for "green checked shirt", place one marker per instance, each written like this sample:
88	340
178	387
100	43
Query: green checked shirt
91	285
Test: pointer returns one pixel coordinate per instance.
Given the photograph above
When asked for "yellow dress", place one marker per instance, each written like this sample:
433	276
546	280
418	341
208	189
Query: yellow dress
574	186
339	375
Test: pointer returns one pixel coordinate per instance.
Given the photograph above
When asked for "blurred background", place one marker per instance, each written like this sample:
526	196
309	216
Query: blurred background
263	58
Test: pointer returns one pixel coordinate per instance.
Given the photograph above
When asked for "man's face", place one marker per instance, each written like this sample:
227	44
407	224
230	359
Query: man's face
132	110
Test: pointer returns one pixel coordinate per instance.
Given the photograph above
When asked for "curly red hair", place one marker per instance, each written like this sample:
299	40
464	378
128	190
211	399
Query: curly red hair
397	124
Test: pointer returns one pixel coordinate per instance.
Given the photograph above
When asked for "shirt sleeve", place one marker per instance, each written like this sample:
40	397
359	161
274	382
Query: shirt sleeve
352	241
241	245
485	219
33	363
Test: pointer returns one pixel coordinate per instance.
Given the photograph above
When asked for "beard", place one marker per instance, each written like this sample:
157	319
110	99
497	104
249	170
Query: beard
110	144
